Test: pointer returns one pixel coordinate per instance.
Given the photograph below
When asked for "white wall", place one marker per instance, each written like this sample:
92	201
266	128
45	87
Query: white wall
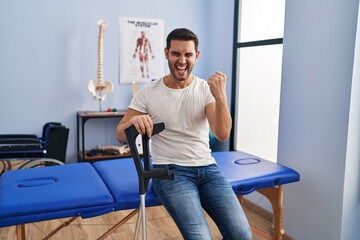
319	44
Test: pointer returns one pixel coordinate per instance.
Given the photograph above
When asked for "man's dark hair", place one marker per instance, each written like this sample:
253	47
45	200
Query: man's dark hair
182	34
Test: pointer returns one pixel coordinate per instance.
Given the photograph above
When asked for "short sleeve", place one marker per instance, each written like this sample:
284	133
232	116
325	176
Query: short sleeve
138	102
209	97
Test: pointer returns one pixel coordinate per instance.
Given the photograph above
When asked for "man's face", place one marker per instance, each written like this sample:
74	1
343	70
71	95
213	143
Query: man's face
181	58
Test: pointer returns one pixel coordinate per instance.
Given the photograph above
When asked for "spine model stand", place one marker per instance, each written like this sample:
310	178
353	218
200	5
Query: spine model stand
100	88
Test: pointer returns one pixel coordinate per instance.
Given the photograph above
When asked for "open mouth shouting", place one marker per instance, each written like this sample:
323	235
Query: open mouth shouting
181	69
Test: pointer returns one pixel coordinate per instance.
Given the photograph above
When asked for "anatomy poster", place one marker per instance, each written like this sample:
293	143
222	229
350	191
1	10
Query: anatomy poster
141	50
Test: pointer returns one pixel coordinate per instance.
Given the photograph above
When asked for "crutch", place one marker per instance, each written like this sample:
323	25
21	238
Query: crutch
144	171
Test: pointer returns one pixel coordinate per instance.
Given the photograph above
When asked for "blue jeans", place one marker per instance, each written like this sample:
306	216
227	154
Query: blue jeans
197	188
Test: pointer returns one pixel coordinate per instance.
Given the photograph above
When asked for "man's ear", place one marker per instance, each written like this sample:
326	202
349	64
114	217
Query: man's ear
166	52
197	55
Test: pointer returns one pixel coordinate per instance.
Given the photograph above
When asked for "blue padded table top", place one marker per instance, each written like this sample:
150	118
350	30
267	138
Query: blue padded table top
121	178
82	189
30	195
245	172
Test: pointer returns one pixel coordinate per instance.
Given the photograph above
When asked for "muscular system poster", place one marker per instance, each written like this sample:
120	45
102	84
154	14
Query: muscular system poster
141	49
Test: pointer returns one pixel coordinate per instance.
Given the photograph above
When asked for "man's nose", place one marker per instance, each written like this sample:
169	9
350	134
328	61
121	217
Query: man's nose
182	59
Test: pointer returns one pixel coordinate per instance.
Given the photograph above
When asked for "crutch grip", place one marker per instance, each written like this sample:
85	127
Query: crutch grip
162	173
143	170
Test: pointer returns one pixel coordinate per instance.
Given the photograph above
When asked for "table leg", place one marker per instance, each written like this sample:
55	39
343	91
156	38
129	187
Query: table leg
275	196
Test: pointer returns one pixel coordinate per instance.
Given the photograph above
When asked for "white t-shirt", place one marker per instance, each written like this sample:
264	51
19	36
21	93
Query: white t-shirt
185	140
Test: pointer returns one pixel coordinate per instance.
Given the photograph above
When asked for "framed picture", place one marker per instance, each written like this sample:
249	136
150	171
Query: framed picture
141	50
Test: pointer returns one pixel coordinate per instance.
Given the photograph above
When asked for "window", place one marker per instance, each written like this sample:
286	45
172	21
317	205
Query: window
257	67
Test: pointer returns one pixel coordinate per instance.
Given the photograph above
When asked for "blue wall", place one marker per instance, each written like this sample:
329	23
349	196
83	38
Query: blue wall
49	55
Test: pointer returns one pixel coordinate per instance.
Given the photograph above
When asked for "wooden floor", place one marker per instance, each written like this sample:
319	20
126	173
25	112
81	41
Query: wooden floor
159	227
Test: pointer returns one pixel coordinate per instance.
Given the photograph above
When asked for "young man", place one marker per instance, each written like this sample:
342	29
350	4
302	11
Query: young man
188	105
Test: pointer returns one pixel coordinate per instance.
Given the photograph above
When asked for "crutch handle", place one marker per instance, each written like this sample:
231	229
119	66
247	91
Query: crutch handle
143	170
162	173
